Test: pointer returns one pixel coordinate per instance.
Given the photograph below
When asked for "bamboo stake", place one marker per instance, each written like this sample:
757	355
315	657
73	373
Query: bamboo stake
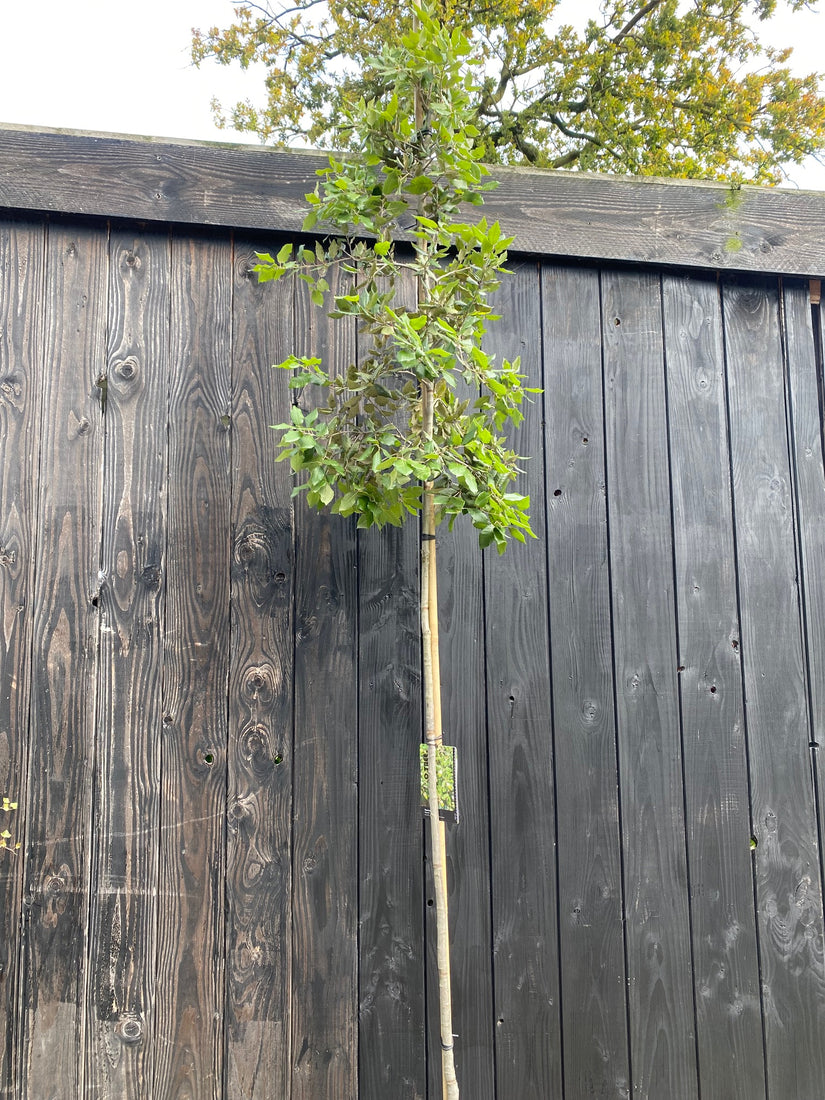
433	734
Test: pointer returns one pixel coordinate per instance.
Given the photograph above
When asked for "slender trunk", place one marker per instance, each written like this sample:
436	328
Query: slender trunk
432	727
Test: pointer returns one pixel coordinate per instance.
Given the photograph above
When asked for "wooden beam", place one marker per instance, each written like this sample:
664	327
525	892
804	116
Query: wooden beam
676	223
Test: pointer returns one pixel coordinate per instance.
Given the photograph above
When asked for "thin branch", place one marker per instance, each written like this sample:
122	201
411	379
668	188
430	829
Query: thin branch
271	17
640	14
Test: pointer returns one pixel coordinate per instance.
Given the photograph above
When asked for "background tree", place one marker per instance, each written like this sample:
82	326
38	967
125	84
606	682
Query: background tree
651	88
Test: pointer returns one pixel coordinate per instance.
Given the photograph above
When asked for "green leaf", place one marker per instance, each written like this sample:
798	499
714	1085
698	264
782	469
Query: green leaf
419	185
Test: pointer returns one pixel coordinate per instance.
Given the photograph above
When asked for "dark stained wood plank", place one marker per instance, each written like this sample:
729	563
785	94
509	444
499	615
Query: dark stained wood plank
788	891
392	1045
325	788
461	631
522	795
22	270
591	938
805	357
662	1023
120	1018
259	779
65	635
675	222
190	972
729	1016
391	941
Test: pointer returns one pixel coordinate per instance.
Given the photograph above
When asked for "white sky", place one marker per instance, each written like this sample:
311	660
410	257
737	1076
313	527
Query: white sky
123	66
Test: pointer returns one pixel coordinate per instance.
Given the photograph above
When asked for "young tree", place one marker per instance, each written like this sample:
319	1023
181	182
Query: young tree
652	87
393	437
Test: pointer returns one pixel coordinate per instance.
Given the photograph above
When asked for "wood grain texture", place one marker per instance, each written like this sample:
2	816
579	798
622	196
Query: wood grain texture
65	636
22	270
461	630
645	220
806	386
190	970
325	790
662	1023
211	704
392	1045
259	796
591	943
729	1015
522	795
120	1021
788	890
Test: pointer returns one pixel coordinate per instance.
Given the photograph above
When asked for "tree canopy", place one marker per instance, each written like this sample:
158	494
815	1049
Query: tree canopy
685	89
424	406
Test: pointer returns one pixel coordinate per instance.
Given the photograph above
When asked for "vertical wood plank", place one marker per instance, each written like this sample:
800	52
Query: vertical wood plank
788	889
258	893
61	748
22	266
190	971
392	1045
806	356
461	630
729	1015
590	874
119	1008
663	1052
325	820
522	794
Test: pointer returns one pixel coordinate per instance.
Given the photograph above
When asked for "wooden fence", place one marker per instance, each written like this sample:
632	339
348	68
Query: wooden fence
210	699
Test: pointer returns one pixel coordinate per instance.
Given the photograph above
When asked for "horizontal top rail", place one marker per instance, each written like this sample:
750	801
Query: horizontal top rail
674	223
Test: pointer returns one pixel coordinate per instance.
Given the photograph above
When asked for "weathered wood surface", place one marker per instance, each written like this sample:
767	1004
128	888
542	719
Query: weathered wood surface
189	1052
461	643
392	1045
22	273
783	806
325	819
591	899
520	724
565	214
725	952
806	393
61	746
259	761
130	599
211	705
659	961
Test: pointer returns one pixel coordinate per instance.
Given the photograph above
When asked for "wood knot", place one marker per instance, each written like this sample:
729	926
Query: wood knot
239	810
126	368
11	388
245	264
54	886
131	260
129	1029
255	746
150	576
590	711
259	684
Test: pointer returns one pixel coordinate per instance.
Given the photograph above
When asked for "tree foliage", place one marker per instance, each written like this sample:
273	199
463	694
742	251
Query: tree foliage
659	87
394	420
